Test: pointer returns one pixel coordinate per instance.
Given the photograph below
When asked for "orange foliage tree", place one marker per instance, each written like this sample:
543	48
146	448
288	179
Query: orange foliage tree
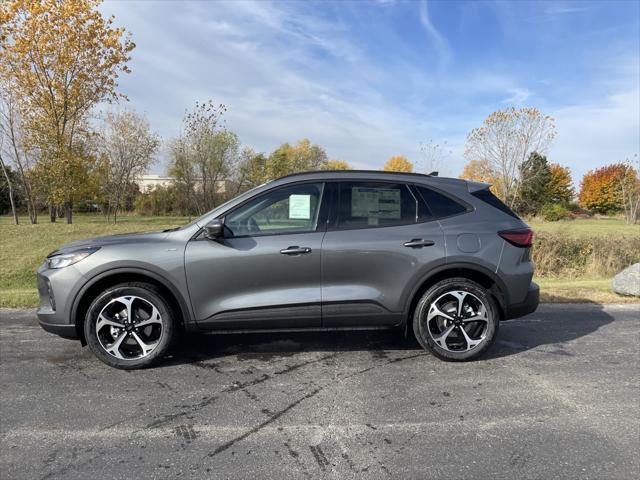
398	163
481	171
559	189
601	189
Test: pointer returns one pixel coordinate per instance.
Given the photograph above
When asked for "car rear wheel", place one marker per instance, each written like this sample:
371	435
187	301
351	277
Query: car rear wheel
456	320
130	326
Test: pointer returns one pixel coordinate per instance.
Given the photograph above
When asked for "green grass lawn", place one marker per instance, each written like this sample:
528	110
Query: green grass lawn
23	248
586	226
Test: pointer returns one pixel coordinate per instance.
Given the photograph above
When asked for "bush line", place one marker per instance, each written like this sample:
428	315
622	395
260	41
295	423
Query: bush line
559	255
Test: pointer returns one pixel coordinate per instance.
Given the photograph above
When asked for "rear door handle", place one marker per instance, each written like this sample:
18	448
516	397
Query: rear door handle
419	243
295	250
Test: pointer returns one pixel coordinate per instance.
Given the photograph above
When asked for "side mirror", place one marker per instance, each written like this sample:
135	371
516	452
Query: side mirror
214	229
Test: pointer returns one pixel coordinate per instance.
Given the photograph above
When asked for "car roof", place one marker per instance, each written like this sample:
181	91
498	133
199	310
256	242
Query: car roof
370	175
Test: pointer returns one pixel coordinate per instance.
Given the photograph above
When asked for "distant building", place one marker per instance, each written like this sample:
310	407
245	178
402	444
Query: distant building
147	183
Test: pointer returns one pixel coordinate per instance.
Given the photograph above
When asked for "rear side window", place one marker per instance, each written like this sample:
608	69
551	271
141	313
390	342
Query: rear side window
488	197
440	205
370	205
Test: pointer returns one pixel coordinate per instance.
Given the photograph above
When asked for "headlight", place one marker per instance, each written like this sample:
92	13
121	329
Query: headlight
62	260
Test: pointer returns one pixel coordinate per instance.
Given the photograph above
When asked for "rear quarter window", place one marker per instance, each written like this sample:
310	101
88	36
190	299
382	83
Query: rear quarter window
440	205
488	197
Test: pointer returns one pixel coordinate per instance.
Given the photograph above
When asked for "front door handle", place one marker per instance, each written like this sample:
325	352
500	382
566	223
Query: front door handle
419	243
295	250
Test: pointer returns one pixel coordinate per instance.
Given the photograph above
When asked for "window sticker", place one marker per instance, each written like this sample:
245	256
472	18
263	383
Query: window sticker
300	206
375	202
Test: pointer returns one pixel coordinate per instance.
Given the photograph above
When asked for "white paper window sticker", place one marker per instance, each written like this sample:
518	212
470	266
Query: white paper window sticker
300	207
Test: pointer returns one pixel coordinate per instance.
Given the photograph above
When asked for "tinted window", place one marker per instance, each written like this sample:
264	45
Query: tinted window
291	209
491	199
370	205
440	205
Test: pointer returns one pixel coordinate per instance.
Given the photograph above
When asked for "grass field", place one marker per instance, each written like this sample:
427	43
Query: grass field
23	247
586	226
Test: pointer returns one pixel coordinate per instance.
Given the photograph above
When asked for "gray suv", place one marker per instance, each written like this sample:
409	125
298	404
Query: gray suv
441	257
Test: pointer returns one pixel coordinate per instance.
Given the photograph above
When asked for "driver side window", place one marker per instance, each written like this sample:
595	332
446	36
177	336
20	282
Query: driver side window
292	209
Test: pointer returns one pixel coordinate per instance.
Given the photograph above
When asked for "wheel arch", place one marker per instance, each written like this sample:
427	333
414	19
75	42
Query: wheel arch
476	273
98	283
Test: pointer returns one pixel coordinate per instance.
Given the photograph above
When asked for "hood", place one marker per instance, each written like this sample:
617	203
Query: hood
143	237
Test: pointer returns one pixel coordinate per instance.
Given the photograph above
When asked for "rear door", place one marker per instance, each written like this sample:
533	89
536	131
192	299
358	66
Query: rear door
379	244
265	272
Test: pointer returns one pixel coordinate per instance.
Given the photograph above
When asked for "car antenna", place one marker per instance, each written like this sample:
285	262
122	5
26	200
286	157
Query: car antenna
433	174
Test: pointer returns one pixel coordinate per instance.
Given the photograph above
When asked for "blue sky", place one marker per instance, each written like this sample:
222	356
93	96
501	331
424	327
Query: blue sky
368	80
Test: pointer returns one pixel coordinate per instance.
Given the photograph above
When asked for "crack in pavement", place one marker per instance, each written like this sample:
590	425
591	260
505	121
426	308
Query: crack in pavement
164	419
295	403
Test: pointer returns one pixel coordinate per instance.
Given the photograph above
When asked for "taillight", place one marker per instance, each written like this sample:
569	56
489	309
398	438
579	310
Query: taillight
519	238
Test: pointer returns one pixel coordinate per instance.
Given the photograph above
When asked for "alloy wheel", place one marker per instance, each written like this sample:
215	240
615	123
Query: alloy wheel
129	327
457	321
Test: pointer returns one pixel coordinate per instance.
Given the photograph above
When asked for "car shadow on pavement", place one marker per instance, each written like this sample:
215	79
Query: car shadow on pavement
552	331
266	346
544	328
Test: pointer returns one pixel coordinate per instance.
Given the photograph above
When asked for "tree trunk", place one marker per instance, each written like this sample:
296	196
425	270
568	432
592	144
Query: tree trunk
68	213
52	213
10	186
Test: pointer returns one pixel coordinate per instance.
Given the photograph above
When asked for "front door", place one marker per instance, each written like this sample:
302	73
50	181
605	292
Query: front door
265	272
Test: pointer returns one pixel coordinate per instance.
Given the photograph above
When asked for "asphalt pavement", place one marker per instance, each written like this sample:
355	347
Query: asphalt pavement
556	397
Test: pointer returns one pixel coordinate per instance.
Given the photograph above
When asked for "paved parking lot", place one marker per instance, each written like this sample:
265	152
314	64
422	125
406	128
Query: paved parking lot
557	397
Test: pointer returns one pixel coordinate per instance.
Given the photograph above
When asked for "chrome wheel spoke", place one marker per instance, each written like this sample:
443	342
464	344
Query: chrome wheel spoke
471	343
147	348
459	296
104	321
154	318
434	311
441	339
114	348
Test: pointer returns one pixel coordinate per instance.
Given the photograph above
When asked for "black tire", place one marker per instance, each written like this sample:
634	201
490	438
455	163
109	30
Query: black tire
147	293
424	332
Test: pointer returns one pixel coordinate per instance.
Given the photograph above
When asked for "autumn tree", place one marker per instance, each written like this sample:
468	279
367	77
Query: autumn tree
600	189
14	150
559	188
204	156
300	157
505	140
630	189
61	58
336	165
478	171
127	146
253	169
398	163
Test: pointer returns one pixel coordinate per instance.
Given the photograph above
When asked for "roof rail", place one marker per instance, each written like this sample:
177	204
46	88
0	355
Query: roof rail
359	171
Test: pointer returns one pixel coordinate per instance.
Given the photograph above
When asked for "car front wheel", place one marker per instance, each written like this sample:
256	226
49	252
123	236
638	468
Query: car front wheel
130	326
456	320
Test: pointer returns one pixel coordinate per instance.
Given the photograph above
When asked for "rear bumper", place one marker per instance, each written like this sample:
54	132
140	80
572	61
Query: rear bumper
529	304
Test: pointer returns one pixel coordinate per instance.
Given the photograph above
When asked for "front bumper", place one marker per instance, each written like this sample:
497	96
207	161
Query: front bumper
529	305
57	289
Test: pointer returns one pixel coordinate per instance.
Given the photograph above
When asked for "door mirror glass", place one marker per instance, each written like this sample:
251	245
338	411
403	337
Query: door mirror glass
214	229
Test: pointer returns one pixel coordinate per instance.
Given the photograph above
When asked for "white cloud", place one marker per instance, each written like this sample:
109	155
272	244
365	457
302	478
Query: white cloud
590	136
439	42
518	96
